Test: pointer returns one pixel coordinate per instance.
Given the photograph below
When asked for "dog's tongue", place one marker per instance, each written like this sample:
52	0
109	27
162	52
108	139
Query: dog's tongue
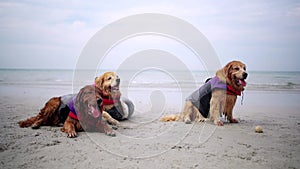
242	82
115	88
95	112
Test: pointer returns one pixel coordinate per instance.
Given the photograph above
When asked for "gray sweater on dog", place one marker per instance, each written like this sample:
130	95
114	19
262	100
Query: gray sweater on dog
201	97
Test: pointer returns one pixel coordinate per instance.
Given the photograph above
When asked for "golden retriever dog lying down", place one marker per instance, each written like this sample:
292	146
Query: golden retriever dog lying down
86	113
216	97
106	89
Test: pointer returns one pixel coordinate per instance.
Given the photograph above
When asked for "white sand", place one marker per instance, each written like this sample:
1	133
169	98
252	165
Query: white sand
154	144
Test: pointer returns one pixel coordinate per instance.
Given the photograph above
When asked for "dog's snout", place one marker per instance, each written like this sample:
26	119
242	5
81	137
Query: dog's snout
118	80
245	75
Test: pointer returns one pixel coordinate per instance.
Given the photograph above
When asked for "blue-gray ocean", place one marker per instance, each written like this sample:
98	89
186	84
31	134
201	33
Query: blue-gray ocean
257	80
151	90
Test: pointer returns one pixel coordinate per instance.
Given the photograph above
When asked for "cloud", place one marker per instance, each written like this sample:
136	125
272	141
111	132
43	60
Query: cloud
65	26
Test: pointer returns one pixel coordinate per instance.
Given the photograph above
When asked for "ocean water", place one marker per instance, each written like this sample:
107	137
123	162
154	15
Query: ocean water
256	81
154	91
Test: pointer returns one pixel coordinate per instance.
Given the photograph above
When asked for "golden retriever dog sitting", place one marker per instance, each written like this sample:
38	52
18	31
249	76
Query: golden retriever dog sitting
216	97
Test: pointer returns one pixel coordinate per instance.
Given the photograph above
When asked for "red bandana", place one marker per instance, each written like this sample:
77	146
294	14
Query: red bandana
232	91
108	101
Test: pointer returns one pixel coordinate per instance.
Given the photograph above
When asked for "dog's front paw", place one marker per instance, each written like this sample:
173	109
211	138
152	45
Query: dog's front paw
233	120
187	120
110	133
201	120
218	122
72	134
114	122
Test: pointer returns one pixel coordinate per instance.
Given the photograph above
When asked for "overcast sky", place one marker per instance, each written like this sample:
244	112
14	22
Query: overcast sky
51	34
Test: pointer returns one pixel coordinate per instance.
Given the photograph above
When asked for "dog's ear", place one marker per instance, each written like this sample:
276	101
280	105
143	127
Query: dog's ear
224	73
227	69
78	100
99	81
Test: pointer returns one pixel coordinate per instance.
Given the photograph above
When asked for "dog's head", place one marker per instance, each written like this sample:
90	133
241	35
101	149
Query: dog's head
88	102
109	83
234	74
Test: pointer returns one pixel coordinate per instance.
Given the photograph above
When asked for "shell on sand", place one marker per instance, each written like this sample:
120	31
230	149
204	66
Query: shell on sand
258	129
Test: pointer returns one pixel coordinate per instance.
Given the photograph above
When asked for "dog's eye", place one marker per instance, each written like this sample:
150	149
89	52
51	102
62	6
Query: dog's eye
236	68
244	68
99	101
109	78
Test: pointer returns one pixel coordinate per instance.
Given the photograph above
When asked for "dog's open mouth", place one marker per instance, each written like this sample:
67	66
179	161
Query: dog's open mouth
93	111
241	82
114	88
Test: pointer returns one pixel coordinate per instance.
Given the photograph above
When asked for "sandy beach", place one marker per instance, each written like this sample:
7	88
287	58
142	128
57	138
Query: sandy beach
161	52
153	144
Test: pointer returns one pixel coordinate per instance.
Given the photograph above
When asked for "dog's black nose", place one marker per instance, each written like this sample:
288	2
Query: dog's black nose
118	80
245	75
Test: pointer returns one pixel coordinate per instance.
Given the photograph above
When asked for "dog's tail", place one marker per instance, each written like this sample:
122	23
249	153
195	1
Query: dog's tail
28	122
170	117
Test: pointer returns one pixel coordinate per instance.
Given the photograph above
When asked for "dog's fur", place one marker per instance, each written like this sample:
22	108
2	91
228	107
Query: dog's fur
232	74
109	83
88	106
48	115
52	114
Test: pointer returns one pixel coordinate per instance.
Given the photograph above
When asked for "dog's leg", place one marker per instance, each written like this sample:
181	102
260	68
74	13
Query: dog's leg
28	122
217	104
187	112
45	116
230	102
47	113
109	119
214	113
199	117
69	128
104	128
